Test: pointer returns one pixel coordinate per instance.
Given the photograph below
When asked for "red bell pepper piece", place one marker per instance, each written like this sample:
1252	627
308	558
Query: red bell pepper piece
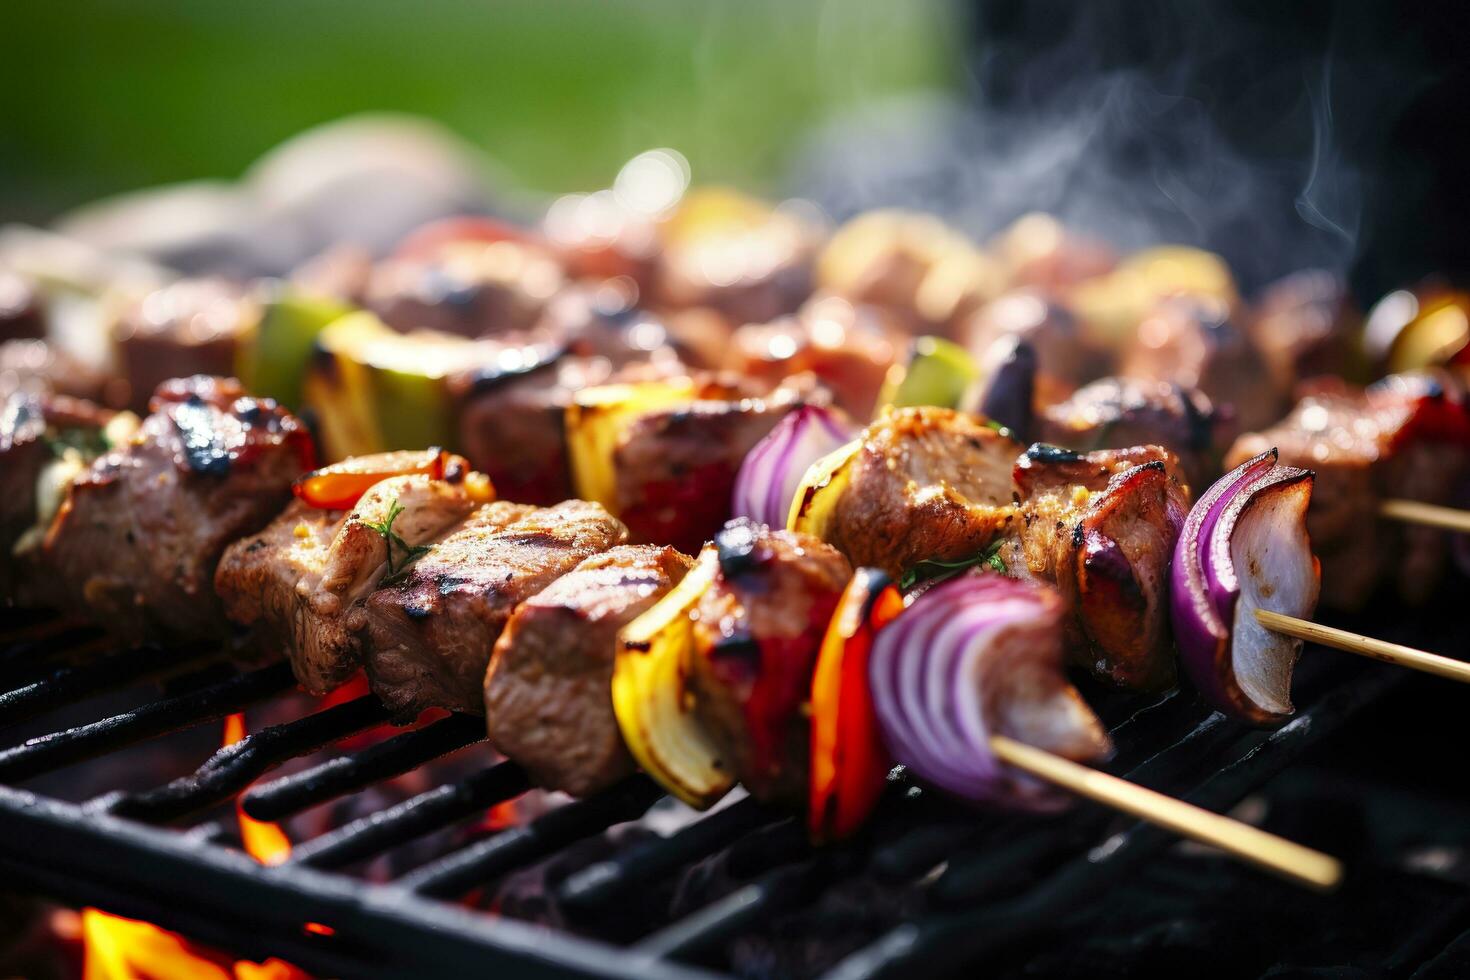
849	763
338	487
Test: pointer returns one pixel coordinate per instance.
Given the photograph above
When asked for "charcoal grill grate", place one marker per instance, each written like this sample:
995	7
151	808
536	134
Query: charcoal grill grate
982	883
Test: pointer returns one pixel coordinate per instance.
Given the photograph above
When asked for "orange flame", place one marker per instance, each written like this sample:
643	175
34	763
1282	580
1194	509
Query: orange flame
115	948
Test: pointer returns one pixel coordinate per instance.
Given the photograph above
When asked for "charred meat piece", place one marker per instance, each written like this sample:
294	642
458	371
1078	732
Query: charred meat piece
547	700
1195	342
433	627
1101	527
1112	413
471	289
675	468
45	441
756	633
1406	437
848	348
926	484
191	327
138	536
1305	325
302	581
1064	358
37	368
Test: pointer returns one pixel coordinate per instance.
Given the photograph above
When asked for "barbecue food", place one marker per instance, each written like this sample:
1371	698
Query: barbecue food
466	288
1112	413
194	326
45	441
1305	326
1064	358
39	368
1195	342
756	633
1405	437
849	348
300	583
138	536
433	627
922	484
546	692
1101	528
21	316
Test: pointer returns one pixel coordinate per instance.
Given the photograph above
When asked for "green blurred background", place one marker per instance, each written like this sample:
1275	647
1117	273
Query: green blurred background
100	96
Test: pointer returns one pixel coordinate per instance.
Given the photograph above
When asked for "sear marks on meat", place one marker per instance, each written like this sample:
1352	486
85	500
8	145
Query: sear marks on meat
432	632
1196	343
675	468
1405	437
756	634
547	692
927	484
193	326
139	534
1112	413
1101	527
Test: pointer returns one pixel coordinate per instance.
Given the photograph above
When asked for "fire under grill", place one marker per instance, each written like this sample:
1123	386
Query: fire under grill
930	888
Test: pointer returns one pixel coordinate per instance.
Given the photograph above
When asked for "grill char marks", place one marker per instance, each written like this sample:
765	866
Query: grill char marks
140	532
547	700
432	633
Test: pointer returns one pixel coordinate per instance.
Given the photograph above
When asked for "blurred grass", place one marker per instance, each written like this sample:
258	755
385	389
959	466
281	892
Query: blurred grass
98	96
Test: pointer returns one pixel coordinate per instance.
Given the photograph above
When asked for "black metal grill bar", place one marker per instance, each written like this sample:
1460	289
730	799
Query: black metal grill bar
211	703
943	943
289	795
69	683
599	885
740	911
412	818
236	766
93	859
516	847
29	660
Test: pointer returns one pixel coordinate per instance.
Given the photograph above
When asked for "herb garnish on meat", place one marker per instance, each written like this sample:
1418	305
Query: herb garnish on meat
407	553
934	568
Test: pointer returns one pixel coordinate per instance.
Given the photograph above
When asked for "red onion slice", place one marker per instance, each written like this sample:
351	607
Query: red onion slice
771	472
1244	547
976	656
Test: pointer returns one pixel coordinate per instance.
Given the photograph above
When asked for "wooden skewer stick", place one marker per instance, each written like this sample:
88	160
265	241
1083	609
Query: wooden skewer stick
1276	855
1366	646
1433	515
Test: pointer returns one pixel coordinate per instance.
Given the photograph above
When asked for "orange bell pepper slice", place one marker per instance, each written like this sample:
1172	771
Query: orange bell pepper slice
338	487
849	763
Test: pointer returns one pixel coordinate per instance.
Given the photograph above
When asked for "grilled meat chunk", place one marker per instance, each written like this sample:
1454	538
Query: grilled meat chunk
1304	325
1406	437
675	468
1064	357
756	634
1113	413
432	631
37	368
1101	527
471	289
547	701
138	536
194	326
927	483
21	315
1196	343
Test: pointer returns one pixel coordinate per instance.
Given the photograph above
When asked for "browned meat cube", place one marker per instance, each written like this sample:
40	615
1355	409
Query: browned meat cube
1196	343
675	468
547	692
1114	413
1305	325
194	326
21	316
471	289
1405	437
301	583
137	539
38	368
757	630
432	630
927	484
1101	527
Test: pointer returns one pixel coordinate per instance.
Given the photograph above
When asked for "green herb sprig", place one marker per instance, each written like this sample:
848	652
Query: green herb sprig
407	553
939	570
